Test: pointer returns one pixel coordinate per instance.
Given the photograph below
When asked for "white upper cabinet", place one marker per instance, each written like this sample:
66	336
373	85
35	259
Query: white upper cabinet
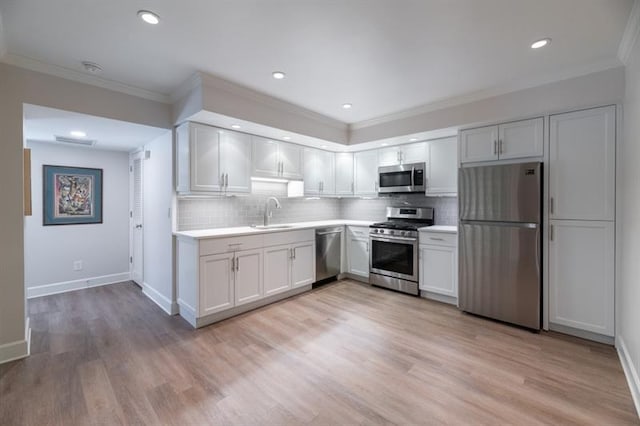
344	173
276	159
209	159
402	154
521	139
442	167
518	139
235	161
479	144
319	177
366	173
582	165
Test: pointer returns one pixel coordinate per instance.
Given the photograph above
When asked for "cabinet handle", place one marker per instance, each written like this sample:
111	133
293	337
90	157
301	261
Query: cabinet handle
550	232
495	147
222	180
500	146
233	264
436	239
226	180
237	264
352	188
294	253
290	254
551	205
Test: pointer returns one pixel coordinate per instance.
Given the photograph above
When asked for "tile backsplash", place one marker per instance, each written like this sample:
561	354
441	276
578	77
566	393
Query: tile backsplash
223	211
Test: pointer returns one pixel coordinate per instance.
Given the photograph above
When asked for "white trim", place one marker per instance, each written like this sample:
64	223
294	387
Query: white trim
630	34
82	77
187	312
186	87
160	299
480	95
630	372
65	286
19	349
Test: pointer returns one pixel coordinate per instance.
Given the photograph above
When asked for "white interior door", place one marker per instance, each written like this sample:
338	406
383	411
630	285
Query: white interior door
136	216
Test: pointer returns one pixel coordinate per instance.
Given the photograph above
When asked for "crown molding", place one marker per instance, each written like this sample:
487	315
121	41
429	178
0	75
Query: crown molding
269	101
630	34
81	77
193	82
511	87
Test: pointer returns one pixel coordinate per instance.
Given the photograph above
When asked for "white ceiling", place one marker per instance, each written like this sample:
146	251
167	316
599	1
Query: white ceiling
44	124
384	56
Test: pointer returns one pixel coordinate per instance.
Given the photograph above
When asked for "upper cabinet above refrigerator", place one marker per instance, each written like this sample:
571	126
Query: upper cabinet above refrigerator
517	139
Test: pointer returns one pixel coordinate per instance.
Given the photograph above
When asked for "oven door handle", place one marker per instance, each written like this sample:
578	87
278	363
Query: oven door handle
395	240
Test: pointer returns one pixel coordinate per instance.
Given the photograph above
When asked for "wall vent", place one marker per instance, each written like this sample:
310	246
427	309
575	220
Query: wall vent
74	141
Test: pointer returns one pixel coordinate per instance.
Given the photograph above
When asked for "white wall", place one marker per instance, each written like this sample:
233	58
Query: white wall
158	238
103	248
628	295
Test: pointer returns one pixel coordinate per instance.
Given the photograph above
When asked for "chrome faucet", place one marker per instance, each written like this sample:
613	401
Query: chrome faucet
268	212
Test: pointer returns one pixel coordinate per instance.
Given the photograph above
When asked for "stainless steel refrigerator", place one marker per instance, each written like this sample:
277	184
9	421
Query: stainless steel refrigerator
500	257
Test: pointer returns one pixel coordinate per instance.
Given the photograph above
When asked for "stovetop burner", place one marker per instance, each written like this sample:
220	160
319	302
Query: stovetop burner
406	218
403	225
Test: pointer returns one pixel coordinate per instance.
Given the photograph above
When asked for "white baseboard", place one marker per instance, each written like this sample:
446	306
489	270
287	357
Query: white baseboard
63	287
187	312
19	349
167	305
629	371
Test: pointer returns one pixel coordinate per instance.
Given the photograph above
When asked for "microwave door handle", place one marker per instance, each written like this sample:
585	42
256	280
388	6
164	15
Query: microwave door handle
413	174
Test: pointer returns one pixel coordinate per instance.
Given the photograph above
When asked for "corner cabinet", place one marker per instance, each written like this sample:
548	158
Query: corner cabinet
365	166
344	173
209	159
517	139
221	277
275	159
319	172
439	266
442	167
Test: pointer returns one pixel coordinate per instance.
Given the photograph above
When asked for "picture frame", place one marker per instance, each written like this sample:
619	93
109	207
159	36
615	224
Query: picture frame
71	195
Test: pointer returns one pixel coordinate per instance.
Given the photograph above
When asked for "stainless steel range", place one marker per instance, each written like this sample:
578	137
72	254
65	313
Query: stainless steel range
393	257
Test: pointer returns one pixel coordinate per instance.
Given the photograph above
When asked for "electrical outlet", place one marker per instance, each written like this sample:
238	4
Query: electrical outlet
77	265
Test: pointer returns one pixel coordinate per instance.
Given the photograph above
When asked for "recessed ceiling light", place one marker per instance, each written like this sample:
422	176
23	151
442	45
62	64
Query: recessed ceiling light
148	17
278	75
235	126
540	43
286	138
92	67
78	134
384	144
347	106
413	139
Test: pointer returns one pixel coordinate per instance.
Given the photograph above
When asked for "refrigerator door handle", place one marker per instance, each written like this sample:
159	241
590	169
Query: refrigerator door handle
506	224
550	232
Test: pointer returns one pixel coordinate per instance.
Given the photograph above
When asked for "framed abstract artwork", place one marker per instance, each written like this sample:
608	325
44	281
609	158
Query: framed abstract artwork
71	195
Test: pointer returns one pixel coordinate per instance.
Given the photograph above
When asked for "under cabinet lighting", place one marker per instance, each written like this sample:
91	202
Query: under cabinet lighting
286	138
235	126
263	179
78	134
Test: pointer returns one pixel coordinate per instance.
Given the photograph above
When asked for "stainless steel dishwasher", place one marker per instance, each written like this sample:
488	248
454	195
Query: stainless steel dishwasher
328	252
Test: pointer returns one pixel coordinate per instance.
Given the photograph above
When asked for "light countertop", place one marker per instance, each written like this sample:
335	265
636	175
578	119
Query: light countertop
248	230
440	228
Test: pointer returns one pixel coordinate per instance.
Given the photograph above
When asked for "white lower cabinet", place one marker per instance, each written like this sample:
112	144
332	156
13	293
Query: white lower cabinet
216	283
303	264
439	265
277	273
581	275
248	276
358	251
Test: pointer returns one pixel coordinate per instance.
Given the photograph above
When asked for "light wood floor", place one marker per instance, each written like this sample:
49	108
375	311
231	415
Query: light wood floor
343	354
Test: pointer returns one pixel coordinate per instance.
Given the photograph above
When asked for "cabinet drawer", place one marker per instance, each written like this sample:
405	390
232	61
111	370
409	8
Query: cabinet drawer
438	238
225	245
288	237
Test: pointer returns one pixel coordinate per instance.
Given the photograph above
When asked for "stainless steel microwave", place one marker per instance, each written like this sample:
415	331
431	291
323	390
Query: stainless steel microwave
401	178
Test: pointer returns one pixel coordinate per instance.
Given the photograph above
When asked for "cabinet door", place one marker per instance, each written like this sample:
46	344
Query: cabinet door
182	158
358	251
290	156
326	175
205	158
265	157
389	156
312	168
439	270
479	144
344	173
442	167
413	153
521	139
582	165
581	275
216	283
303	264
235	160
277	269
366	173
248	277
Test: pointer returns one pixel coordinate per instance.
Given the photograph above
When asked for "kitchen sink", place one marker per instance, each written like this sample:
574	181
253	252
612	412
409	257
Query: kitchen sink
271	226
